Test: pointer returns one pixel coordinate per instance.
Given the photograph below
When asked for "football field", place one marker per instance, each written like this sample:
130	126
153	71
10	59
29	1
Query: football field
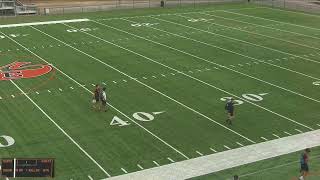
168	74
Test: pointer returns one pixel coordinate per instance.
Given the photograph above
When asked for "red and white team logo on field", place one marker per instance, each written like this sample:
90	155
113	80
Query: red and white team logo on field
19	70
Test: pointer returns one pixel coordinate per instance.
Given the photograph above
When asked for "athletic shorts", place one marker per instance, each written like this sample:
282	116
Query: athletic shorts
231	113
304	167
104	103
97	99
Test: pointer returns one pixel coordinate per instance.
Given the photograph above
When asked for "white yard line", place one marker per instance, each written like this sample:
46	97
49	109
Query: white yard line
170	160
237	20
235	39
213	150
225	160
281	22
149	87
208	84
276	135
291	11
157	137
240	144
156	163
142	127
255	33
59	127
140	167
69	137
287	133
199	153
211	62
209	32
90	177
125	171
43	23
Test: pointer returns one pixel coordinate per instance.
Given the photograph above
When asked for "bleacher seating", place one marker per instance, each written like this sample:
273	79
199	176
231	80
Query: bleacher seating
15	7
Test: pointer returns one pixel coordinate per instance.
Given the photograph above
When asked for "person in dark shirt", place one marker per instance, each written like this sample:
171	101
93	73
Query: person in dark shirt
230	110
304	163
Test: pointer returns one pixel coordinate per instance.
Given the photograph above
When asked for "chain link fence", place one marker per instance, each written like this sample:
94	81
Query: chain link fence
311	6
130	4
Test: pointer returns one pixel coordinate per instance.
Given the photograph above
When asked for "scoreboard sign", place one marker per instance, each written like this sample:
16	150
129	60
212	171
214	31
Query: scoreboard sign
27	167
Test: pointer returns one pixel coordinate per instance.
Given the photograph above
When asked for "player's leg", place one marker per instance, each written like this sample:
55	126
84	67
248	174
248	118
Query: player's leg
229	118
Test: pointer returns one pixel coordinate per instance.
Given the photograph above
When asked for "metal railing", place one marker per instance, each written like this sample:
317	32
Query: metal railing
130	4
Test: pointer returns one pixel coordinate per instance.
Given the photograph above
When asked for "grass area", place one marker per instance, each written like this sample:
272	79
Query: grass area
167	80
284	167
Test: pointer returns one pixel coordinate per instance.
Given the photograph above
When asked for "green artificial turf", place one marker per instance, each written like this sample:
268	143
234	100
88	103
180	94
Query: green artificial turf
180	65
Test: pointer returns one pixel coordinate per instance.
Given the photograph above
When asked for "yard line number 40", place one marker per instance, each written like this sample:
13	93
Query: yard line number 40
140	116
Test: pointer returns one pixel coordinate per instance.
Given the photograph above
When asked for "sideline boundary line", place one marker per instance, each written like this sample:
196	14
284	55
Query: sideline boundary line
225	160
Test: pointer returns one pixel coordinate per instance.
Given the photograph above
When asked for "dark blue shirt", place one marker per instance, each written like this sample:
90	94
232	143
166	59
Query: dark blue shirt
229	106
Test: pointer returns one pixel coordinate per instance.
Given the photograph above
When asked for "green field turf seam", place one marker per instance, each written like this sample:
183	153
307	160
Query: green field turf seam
196	78
262	61
281	22
255	33
61	129
275	50
154	135
183	105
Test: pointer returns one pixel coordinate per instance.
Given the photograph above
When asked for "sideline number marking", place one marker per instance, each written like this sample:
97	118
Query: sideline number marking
81	29
117	121
10	141
143	24
249	97
317	83
199	20
13	35
140	116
